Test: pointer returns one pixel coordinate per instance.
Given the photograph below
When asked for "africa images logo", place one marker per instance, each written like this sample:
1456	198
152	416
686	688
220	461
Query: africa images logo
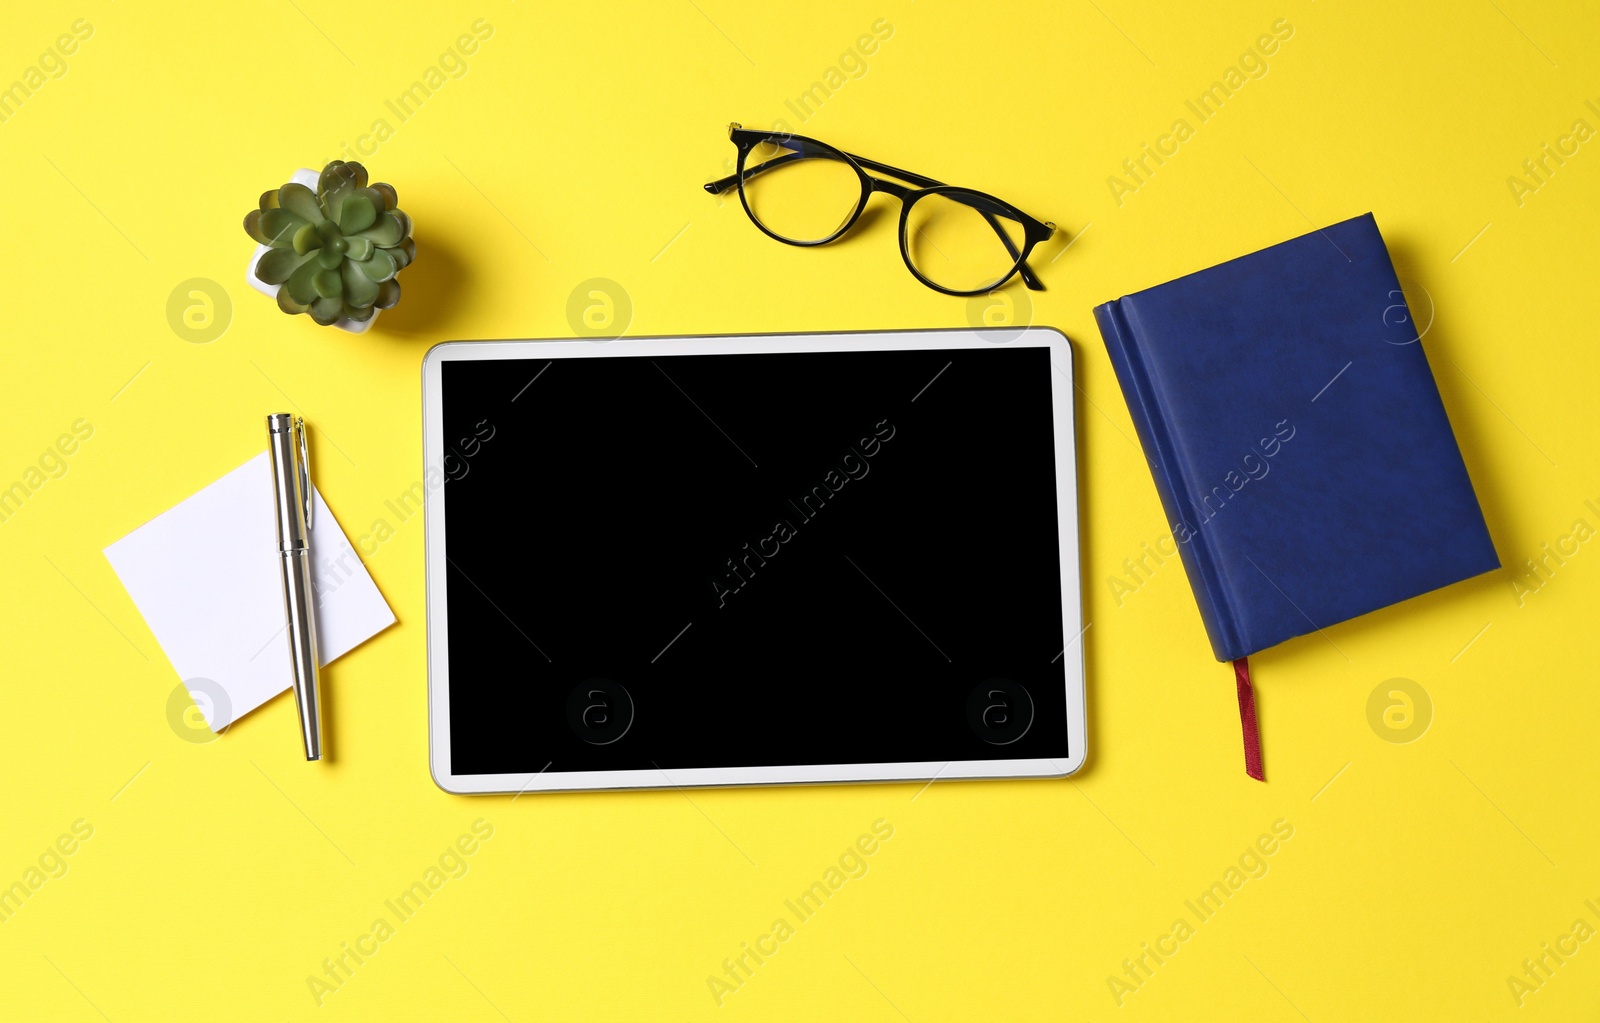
852	864
854	464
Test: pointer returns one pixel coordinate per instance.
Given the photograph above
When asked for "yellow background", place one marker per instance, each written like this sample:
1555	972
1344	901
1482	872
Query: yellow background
221	874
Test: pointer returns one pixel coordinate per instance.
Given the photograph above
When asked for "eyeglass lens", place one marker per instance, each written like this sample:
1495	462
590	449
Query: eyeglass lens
799	191
958	240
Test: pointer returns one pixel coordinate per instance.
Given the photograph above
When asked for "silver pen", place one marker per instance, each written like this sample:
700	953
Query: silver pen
291	491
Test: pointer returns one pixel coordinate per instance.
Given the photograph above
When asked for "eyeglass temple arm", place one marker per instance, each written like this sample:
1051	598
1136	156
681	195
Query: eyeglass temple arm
721	185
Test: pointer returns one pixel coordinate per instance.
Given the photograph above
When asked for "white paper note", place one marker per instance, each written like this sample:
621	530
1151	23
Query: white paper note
205	576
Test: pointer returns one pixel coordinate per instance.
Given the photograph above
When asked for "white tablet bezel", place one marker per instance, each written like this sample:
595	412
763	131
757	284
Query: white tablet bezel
434	529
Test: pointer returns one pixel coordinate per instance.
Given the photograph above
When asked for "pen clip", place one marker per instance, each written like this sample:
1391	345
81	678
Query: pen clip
305	472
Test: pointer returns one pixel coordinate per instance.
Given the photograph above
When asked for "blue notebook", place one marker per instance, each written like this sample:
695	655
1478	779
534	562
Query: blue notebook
1297	439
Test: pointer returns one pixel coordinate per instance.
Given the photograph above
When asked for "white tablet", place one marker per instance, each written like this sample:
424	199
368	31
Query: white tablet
752	560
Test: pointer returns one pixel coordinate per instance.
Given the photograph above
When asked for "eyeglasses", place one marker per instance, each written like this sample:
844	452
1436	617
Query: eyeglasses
955	240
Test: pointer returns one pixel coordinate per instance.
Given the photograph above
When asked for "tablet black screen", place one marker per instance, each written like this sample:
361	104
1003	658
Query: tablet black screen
752	560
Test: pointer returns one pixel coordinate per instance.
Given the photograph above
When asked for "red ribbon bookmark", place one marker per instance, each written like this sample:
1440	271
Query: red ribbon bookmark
1247	720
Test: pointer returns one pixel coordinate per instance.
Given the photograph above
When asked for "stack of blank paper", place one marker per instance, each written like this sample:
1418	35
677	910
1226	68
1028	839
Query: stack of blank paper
205	576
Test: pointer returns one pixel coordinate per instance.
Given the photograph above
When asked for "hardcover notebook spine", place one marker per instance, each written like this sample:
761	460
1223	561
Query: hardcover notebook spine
1154	433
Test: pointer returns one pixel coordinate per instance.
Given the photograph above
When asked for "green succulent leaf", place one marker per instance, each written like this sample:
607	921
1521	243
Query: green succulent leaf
387	231
277	265
269	200
280	226
300	286
388	294
287	303
329	257
336	175
360	248
328	283
375	196
336	184
307	239
326	310
405	222
360	315
252	227
381	267
359	289
359	213
404	254
301	201
387	192
358	173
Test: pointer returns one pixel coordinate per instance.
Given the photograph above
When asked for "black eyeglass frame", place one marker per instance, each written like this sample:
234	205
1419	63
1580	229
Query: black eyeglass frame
1034	230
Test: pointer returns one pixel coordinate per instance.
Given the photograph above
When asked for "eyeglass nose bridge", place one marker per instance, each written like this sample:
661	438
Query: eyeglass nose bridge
893	188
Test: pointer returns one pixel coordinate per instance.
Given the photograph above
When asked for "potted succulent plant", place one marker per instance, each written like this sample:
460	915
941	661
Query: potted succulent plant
329	245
